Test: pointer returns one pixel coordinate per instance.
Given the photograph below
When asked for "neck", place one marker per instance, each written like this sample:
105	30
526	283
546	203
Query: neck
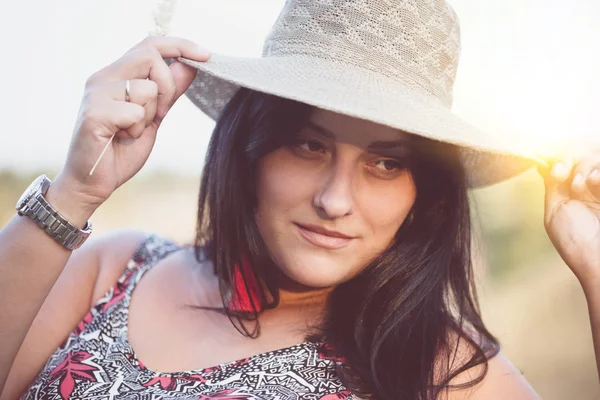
298	315
296	295
302	304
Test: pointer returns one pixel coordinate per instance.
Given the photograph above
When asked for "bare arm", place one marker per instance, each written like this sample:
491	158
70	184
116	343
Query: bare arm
30	263
592	296
90	272
572	221
503	381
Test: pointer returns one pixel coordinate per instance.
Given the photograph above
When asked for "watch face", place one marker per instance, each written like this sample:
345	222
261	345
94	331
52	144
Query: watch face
34	188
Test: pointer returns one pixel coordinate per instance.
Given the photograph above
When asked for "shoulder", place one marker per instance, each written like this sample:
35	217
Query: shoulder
89	273
113	251
501	379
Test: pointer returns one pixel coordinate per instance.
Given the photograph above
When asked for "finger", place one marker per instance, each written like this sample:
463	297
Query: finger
593	179
133	130
587	177
109	117
586	164
141	63
141	91
145	63
558	184
184	76
562	168
593	183
174	47
146	60
138	62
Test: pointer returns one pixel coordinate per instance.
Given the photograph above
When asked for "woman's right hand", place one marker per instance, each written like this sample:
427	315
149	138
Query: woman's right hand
154	87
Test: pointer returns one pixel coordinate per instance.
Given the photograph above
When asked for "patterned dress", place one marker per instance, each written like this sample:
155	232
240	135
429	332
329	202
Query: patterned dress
97	361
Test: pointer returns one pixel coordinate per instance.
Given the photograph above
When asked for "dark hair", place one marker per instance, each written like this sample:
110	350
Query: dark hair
399	338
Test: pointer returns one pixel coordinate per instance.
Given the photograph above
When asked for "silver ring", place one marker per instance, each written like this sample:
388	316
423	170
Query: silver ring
127	87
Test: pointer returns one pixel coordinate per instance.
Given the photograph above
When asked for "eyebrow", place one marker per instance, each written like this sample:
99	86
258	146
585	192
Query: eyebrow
320	130
388	145
379	145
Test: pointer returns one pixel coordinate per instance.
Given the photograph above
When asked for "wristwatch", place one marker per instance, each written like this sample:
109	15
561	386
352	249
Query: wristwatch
33	205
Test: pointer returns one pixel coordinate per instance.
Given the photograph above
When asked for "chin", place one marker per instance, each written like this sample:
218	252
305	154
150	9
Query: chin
317	270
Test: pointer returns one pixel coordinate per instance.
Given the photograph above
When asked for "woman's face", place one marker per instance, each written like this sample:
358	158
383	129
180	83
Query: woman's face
333	200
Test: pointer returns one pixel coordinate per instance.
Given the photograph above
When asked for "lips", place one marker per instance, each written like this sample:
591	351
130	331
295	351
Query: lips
322	237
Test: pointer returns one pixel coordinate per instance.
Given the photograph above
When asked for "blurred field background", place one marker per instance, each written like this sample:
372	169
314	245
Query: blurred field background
530	299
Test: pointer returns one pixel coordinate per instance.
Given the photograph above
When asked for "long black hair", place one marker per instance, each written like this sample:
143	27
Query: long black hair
399	323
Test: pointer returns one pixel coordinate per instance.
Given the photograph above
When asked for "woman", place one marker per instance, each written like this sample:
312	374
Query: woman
332	257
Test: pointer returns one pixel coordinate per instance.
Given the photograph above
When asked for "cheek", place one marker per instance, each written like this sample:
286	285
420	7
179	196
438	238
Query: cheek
285	187
281	183
284	190
385	208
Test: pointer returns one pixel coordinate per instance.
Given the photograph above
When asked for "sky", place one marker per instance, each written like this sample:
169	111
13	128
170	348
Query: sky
529	70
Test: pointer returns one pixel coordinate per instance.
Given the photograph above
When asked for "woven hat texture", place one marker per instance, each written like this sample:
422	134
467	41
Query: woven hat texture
392	62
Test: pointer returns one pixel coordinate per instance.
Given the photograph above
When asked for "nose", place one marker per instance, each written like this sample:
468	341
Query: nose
334	198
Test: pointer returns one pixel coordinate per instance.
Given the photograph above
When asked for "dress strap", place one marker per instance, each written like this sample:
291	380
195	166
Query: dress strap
148	253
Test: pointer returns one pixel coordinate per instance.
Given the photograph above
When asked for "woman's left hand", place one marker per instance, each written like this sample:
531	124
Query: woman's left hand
572	214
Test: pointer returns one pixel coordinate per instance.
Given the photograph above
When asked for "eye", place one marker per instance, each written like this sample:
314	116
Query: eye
308	148
388	165
310	145
387	168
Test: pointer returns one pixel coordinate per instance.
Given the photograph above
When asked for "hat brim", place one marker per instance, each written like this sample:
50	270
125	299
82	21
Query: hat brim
360	93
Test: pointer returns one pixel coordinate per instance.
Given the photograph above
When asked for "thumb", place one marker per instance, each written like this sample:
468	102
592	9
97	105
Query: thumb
184	76
557	182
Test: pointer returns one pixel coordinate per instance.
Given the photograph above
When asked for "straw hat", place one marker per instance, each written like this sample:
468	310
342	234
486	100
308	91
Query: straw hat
392	62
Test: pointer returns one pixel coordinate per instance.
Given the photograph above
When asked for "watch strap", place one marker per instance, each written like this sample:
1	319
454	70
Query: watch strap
54	224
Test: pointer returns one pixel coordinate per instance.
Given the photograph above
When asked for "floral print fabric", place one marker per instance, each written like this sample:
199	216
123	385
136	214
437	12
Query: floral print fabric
97	362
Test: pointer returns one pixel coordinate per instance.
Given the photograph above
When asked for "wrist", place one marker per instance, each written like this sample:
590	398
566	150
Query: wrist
70	202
